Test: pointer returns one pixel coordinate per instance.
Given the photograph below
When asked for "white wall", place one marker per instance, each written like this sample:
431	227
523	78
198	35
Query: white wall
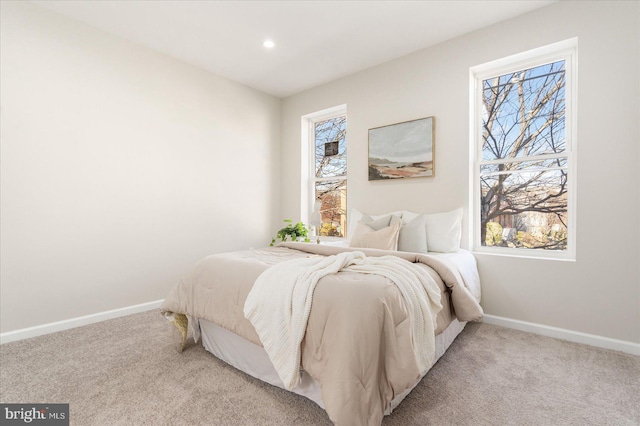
120	168
599	293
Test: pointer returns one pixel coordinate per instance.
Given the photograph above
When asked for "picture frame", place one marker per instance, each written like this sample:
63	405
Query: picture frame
402	150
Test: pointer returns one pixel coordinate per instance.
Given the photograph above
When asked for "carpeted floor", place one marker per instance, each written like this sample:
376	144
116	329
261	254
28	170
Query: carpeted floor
127	371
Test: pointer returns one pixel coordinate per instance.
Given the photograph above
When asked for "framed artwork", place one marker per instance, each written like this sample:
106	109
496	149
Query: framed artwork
402	150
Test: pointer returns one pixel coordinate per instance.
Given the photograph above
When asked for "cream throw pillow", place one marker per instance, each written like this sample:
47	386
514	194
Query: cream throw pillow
412	237
366	237
356	216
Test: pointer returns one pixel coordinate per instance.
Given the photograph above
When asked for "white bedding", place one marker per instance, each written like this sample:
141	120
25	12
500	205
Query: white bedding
463	259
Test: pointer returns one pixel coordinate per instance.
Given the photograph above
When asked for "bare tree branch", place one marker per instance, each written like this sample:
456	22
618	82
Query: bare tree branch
524	115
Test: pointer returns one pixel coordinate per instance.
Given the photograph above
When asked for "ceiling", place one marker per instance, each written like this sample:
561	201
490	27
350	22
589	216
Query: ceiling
315	41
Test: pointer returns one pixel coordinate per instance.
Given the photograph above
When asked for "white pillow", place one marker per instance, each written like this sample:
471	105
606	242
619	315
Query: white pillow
355	216
443	230
413	235
384	239
381	222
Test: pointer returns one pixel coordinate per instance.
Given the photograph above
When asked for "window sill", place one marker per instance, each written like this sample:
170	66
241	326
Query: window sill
518	253
331	241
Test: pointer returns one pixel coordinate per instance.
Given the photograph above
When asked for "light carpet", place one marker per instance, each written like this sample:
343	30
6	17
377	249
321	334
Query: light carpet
126	371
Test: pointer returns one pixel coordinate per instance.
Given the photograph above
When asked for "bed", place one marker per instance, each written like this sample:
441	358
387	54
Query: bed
357	355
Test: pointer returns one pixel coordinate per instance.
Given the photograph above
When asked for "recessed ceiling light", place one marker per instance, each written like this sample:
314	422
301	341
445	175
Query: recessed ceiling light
269	44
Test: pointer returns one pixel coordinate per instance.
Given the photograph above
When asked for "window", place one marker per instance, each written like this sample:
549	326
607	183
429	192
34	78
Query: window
327	135
523	145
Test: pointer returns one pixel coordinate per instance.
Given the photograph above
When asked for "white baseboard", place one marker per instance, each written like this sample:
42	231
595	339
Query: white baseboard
544	330
560	333
39	330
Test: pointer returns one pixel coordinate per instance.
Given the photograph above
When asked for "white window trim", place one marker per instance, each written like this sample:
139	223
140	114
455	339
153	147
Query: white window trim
308	121
566	50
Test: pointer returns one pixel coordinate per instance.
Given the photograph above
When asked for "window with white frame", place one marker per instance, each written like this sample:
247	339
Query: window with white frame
524	153
328	171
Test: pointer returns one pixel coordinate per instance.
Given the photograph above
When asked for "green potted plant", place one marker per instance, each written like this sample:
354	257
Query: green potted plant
296	231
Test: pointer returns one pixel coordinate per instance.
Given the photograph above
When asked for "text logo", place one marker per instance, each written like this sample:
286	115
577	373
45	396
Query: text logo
34	414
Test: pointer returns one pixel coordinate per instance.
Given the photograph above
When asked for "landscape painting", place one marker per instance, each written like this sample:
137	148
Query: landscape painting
402	150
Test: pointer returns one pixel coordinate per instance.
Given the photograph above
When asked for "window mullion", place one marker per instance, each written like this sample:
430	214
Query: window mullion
330	178
531	170
523	159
